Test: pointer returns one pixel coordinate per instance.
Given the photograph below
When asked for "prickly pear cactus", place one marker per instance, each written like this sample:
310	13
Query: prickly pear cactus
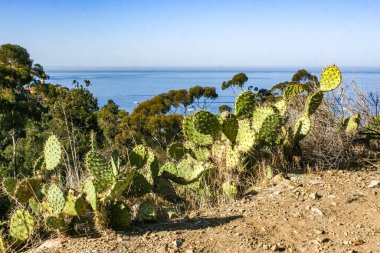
90	191
33	204
270	130
281	106
39	164
302	128
177	150
138	156
192	134
246	138
54	223
139	186
52	152
117	188
352	124
55	198
27	189
22	225
201	153
233	159
292	90
245	103
9	186
230	126
75	205
120	215
99	167
331	78
259	116
230	189
313	102
147	211
206	123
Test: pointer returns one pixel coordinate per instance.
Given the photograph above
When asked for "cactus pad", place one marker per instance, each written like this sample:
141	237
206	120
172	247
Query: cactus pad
270	130
352	124
138	156
313	102
230	126
177	151
52	152
139	186
245	104
230	189
233	159
302	128
117	188
120	215
39	164
33	204
147	211
54	223
201	153
206	123
331	78
259	116
55	198
245	139
22	225
74	206
99	167
27	189
192	134
90	191
9	186
292	90
281	106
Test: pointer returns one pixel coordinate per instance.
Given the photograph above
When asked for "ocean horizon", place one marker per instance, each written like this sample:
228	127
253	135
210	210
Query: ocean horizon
128	86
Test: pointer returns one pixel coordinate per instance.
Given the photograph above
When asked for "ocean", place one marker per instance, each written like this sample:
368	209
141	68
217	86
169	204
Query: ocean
130	86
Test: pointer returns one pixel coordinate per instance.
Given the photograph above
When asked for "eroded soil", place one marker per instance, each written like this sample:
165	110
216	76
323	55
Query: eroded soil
334	211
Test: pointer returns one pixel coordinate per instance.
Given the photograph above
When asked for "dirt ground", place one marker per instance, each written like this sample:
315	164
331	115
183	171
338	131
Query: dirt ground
333	211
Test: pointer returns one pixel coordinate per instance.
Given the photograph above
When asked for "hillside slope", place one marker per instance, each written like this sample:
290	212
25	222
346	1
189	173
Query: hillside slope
333	211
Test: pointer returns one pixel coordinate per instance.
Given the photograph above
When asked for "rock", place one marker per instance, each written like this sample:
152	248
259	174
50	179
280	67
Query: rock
172	215
315	196
357	242
317	211
316	181
374	183
320	232
323	240
49	244
189	251
178	242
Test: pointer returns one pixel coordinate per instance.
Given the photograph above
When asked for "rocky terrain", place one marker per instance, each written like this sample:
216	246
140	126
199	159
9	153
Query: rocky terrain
332	211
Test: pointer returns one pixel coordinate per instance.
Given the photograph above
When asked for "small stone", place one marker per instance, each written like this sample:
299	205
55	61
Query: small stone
374	183
324	239
315	196
358	242
317	211
320	232
189	251
172	215
178	242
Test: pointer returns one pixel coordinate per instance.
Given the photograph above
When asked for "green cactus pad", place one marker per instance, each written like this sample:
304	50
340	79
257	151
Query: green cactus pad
52	152
117	188
147	211
281	106
230	189
292	90
302	128
55	198
259	116
245	104
152	166
39	164
165	189
331	78
233	159
33	204
115	163
245	139
27	189
206	123
201	153
230	126
169	167
99	167
192	134
270	130
177	151
9	186
138	156
54	223
352	124
268	172
22	225
313	102
90	191
74	206
139	186
120	215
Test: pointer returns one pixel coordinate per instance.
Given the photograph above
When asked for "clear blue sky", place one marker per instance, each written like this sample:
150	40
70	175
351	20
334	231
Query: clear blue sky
194	33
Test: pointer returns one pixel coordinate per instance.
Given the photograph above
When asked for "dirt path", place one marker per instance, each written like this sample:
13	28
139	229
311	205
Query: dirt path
327	212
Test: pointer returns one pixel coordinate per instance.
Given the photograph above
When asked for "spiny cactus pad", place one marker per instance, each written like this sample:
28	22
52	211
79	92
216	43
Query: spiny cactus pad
233	159
75	205
270	129
27	189
147	211
33	204
206	123
230	126
120	215
201	153
22	225
55	198
138	156
9	186
54	222
39	164
331	78
292	90
313	102
117	188
52	152
139	186
302	128
259	116
245	139
99	167
230	189
192	134
177	151
245	104
352	124
281	106
90	191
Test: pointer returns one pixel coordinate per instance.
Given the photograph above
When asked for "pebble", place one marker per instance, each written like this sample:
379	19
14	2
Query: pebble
315	196
317	211
178	242
374	183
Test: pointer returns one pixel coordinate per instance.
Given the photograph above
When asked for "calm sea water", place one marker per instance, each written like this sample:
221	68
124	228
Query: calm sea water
129	86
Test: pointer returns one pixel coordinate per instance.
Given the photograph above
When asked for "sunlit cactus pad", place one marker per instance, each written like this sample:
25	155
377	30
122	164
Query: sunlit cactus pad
206	123
56	198
331	78
22	225
99	167
52	152
313	102
245	103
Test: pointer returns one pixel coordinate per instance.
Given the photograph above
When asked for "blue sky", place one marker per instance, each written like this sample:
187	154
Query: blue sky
194	33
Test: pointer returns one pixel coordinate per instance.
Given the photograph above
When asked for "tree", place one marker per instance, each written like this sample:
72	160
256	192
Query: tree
237	80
